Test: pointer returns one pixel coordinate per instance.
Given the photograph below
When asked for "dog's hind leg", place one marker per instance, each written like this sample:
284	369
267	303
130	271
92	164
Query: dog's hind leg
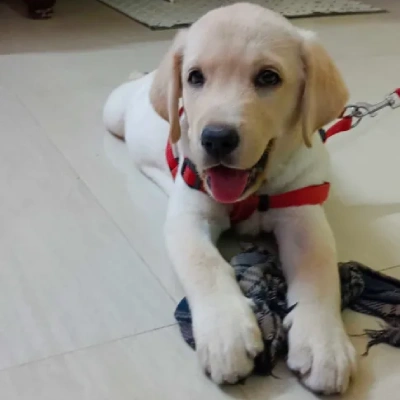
114	109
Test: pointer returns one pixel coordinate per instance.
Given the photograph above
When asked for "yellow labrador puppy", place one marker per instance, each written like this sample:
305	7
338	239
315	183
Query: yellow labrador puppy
254	89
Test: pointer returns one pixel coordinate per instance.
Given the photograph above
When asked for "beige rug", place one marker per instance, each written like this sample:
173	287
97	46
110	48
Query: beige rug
161	14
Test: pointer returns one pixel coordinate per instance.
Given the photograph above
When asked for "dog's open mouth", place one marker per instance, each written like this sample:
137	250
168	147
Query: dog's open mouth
227	185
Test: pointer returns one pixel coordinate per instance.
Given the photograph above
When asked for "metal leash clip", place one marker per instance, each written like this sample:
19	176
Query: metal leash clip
361	109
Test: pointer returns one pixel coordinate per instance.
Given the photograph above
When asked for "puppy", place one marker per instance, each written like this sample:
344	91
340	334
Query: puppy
254	91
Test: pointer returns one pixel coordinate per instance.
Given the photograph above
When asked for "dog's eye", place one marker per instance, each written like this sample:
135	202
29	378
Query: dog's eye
267	78
196	78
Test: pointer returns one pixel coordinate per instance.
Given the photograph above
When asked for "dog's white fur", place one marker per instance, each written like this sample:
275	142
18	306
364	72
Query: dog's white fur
225	329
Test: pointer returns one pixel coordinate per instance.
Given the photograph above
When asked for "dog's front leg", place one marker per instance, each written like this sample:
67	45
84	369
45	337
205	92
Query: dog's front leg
225	329
319	348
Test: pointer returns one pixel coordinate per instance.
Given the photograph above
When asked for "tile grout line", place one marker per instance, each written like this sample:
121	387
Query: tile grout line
92	346
389	268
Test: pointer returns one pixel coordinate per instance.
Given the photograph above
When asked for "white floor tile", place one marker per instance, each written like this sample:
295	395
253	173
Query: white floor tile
68	277
72	120
157	365
356	36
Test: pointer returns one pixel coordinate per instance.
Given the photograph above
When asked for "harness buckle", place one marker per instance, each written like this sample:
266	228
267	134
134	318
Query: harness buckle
264	203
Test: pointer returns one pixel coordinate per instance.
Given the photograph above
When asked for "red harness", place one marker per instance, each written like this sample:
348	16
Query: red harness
310	195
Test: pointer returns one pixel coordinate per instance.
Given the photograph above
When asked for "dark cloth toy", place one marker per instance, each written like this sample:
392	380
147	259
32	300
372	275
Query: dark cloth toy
260	277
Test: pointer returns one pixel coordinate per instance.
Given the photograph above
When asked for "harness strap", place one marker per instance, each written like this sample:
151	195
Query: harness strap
310	195
172	161
190	175
244	209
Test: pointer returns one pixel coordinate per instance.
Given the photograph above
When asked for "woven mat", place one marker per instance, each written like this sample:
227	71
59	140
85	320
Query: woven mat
161	14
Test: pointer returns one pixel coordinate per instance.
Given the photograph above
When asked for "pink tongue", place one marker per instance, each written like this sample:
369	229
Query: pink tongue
227	184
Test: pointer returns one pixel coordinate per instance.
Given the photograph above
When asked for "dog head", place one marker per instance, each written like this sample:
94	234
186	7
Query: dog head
248	80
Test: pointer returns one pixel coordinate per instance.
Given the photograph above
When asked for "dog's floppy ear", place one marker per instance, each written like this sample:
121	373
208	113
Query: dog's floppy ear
325	93
166	89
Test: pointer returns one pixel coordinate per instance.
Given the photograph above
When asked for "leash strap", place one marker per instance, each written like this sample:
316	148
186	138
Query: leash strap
353	114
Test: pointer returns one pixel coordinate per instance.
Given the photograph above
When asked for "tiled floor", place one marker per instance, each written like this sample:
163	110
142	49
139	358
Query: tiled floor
86	292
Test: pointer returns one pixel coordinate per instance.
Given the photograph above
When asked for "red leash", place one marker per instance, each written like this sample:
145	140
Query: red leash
354	113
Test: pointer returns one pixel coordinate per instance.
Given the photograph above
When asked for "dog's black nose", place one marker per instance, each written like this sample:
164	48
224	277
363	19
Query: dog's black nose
219	140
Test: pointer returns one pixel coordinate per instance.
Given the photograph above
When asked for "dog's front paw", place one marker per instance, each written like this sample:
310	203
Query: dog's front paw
227	338
320	351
